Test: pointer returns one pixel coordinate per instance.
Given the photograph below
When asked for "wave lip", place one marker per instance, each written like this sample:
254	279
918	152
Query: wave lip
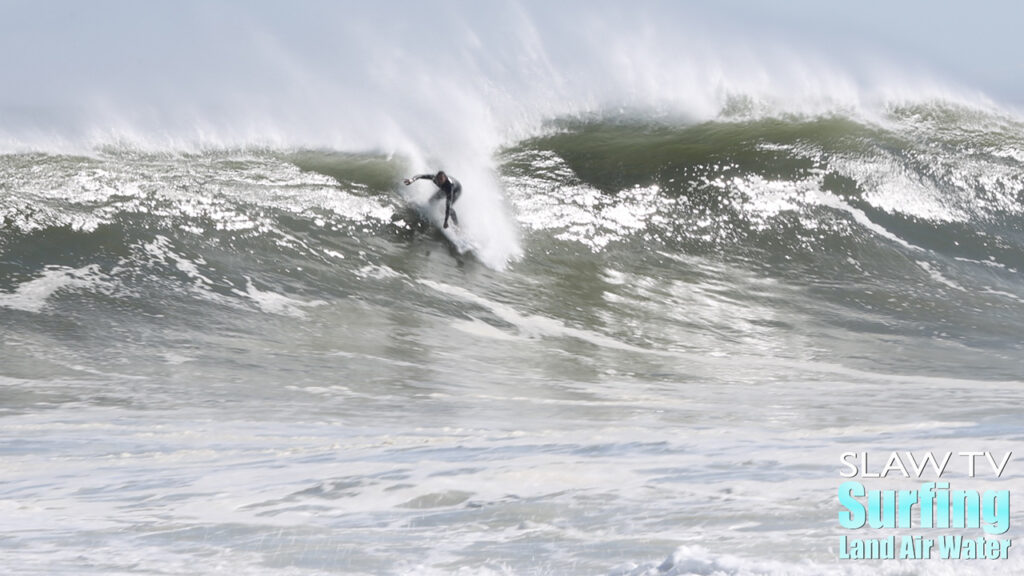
730	179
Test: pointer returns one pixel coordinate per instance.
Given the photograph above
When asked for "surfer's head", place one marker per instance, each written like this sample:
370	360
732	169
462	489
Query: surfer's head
440	178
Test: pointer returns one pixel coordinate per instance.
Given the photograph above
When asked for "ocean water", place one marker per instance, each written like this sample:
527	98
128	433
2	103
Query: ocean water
229	350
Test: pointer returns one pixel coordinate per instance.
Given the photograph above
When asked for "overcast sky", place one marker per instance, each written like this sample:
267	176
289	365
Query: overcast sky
206	54
974	43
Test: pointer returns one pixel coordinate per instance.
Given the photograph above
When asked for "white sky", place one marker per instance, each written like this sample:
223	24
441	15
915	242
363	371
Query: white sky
207	54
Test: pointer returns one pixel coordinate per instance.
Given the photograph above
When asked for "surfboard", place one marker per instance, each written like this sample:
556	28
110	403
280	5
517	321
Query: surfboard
433	213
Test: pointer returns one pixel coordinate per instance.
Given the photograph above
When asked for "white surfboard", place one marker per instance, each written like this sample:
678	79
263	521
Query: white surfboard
433	212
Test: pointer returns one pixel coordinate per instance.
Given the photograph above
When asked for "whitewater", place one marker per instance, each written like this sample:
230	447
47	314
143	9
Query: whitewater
707	264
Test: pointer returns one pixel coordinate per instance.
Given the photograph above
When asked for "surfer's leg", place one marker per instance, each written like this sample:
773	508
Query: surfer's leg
437	196
455	196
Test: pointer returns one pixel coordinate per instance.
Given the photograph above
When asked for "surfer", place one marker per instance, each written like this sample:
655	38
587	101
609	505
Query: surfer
451	189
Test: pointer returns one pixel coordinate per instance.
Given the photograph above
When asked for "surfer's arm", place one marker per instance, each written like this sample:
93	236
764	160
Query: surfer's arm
418	177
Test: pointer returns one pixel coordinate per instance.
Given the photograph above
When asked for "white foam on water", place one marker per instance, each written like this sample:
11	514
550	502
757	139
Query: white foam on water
34	295
532	325
275	303
697	561
938	276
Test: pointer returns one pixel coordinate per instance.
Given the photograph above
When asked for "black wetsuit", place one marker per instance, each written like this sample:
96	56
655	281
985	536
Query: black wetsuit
451	190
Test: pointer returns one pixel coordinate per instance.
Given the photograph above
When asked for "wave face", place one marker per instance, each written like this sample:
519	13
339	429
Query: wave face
908	228
709	259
